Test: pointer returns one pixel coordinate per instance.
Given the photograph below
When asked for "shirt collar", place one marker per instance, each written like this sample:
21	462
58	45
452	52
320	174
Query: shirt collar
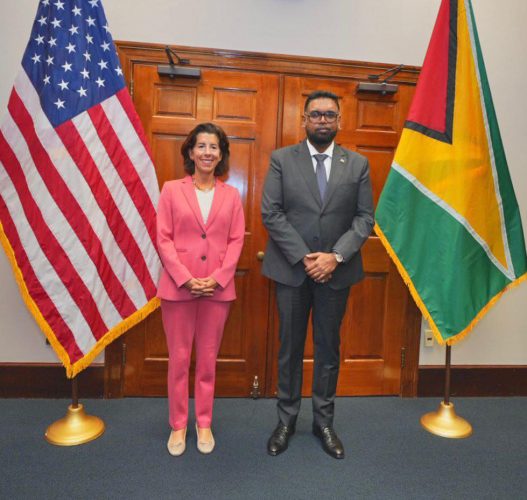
313	151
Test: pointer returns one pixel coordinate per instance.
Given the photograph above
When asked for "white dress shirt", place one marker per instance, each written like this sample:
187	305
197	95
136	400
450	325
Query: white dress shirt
327	161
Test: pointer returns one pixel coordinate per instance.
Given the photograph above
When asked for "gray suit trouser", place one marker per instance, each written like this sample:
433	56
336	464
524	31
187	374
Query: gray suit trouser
328	307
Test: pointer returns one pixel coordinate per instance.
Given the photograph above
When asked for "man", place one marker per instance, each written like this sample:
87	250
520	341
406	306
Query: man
317	207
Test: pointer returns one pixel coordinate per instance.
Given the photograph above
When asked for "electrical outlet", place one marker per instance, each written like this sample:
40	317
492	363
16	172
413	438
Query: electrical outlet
429	338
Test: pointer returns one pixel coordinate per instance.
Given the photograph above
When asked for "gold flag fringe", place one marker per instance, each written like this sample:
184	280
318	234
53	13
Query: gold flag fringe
109	337
421	305
71	369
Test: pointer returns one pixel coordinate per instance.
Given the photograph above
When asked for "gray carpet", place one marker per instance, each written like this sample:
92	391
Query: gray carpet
388	454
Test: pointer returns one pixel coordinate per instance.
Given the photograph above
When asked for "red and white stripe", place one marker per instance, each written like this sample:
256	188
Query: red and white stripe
78	208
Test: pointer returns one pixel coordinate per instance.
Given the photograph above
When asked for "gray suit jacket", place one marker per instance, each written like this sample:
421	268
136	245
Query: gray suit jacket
299	222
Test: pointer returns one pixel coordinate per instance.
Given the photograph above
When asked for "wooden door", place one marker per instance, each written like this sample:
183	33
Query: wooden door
245	105
373	328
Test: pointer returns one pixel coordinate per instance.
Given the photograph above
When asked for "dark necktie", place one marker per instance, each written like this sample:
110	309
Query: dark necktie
322	180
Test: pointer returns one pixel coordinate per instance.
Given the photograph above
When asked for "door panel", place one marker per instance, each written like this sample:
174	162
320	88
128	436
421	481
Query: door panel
260	111
246	107
373	327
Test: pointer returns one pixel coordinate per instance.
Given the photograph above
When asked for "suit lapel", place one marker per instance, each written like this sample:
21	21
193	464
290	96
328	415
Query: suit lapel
305	166
217	201
192	200
340	158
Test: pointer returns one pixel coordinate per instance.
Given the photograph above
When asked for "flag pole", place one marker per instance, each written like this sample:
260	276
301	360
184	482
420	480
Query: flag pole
444	422
76	427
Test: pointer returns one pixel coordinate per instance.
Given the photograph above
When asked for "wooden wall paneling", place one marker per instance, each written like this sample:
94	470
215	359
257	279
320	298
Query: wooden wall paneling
474	381
373	327
371	125
380	159
410	351
245	105
48	380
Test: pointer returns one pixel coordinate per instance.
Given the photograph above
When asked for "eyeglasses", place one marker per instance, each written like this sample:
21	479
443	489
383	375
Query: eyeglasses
316	116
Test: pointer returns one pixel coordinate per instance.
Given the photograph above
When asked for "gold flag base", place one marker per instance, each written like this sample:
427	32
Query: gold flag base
445	423
75	428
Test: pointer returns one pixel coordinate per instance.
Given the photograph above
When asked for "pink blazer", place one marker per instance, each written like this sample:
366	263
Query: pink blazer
189	248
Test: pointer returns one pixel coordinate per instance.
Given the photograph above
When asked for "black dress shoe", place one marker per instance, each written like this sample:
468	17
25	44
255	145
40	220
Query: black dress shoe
330	442
279	439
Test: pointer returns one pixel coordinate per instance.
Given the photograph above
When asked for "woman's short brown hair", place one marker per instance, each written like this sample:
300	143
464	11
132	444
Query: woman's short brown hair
206	128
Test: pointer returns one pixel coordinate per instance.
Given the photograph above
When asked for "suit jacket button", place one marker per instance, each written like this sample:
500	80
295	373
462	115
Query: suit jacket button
315	238
203	257
203	235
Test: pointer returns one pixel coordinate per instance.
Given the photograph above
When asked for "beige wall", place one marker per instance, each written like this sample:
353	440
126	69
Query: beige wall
391	31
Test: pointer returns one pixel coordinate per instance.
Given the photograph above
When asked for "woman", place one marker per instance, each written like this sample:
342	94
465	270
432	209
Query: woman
200	232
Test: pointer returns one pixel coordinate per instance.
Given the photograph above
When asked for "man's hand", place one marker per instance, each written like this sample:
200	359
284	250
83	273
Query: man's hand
320	266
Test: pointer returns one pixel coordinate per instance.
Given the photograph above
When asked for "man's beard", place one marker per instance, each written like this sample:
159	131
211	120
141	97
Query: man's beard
320	139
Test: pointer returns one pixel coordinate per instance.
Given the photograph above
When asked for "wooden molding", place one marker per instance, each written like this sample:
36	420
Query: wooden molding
131	53
409	372
114	368
473	380
38	380
48	380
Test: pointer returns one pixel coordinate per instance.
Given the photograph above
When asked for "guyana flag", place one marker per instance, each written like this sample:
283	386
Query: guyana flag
448	215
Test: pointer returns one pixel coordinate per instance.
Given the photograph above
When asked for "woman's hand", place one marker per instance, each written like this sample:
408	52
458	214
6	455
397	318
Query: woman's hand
201	287
209	285
194	286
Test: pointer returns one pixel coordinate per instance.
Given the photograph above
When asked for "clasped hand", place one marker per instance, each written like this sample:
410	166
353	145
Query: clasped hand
319	266
201	287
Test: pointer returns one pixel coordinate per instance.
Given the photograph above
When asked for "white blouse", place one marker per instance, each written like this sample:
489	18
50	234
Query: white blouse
205	202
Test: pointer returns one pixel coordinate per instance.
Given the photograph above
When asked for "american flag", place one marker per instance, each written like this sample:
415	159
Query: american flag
78	191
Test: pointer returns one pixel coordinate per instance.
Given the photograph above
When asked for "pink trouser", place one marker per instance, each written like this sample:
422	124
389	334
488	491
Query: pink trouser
201	321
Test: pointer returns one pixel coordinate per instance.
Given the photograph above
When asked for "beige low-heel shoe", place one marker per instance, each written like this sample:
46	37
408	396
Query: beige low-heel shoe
205	447
176	447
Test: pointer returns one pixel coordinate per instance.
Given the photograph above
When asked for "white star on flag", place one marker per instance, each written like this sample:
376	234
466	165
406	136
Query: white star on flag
59	104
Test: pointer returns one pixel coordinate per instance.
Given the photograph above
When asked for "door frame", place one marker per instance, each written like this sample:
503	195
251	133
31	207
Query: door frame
131	53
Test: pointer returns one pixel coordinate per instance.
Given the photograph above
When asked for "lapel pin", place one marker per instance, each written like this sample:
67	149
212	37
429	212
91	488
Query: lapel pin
343	160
